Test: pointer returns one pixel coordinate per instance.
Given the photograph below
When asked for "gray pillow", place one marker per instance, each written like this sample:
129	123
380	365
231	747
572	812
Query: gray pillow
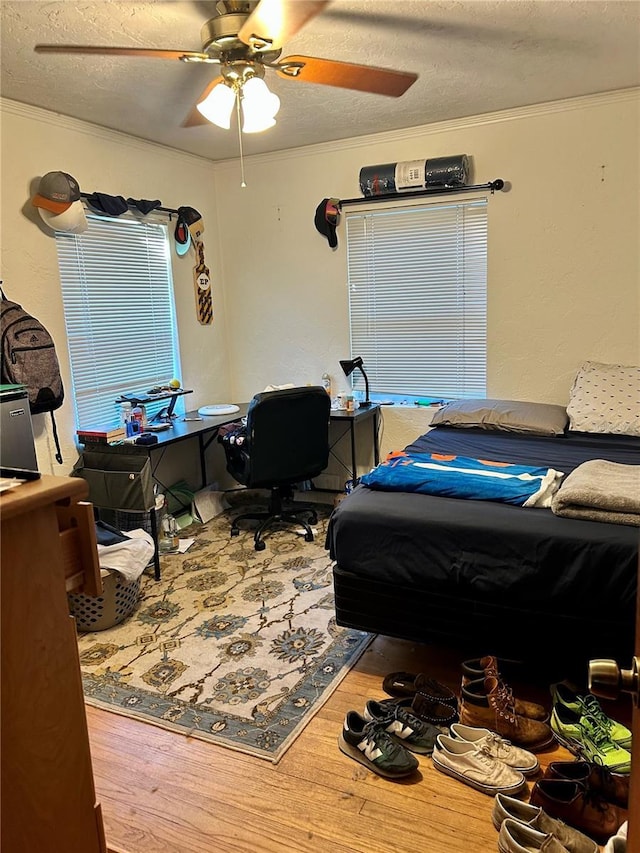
504	415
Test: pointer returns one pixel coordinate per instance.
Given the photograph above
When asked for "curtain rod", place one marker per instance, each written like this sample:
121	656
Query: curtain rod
498	184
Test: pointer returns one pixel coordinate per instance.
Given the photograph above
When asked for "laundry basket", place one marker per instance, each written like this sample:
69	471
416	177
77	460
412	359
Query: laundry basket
131	520
117	603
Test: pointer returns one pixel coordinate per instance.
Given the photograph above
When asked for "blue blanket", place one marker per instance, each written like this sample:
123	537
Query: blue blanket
462	477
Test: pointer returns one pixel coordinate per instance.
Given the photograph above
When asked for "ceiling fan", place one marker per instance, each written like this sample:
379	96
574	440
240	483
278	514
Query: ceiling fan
246	37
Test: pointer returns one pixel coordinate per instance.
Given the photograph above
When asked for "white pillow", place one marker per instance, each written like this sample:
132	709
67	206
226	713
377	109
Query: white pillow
605	398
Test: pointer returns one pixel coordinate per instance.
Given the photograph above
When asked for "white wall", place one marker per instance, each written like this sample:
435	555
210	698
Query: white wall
564	270
35	142
563	267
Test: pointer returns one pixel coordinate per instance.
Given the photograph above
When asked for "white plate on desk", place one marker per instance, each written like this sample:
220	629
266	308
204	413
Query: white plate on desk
220	409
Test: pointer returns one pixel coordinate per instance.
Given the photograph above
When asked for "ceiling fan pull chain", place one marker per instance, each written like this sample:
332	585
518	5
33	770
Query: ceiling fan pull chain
242	181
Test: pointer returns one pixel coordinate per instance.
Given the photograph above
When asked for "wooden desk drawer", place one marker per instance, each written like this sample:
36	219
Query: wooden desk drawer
79	548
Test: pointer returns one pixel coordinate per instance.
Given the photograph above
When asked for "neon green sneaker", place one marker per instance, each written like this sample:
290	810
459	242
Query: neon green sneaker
584	736
589	706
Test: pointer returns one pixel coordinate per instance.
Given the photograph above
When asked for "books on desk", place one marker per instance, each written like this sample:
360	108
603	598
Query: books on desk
101	434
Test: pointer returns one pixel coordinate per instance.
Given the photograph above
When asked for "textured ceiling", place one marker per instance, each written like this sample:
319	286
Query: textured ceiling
473	57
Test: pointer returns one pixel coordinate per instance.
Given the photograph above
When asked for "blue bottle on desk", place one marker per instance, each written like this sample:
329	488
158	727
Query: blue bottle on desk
131	426
139	418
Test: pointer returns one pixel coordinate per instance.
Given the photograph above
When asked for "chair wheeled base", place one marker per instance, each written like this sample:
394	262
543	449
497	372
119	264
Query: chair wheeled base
277	514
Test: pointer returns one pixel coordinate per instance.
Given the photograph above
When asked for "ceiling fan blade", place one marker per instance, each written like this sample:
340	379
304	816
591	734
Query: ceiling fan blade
272	22
346	75
149	52
195	117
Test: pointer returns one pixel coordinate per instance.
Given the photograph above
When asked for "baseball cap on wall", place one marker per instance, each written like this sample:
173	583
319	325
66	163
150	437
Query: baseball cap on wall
72	220
144	205
182	237
326	219
57	191
193	220
112	205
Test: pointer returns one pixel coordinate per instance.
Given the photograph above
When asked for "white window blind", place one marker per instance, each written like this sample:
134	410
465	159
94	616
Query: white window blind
119	310
417	280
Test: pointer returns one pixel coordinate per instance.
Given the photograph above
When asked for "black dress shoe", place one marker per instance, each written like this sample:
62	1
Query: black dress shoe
406	685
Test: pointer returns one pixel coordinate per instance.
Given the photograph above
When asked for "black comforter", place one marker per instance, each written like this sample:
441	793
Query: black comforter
480	551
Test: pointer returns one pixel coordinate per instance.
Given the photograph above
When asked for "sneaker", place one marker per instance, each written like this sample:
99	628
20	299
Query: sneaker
472	670
613	787
589	706
517	837
472	765
406	685
497	747
369	744
583	736
509	808
435	713
488	703
572	803
403	726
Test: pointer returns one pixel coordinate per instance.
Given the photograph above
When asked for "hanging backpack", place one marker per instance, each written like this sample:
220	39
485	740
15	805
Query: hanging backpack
29	358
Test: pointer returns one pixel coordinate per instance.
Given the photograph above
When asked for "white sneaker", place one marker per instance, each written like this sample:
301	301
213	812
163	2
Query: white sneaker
497	747
618	842
475	767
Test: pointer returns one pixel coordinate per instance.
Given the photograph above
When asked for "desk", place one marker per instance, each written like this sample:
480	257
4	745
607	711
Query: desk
350	421
204	429
180	430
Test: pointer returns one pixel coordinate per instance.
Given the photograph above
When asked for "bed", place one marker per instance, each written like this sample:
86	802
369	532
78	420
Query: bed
518	581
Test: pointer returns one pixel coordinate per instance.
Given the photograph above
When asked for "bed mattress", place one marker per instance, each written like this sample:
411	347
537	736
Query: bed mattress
481	551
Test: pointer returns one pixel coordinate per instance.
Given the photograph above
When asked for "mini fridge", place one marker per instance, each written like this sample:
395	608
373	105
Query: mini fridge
17	445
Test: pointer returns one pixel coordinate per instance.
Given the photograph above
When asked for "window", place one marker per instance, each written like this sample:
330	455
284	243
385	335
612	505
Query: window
417	280
119	310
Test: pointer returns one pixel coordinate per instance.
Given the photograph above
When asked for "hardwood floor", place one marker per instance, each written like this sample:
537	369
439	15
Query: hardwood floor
164	793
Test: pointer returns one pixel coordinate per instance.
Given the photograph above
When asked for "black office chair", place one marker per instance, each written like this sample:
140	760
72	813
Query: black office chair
286	441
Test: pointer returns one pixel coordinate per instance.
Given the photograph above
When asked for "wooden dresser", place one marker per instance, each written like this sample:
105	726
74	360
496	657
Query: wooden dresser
48	547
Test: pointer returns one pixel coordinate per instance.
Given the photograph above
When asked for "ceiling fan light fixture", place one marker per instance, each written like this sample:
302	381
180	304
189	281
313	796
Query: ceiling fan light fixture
218	106
259	106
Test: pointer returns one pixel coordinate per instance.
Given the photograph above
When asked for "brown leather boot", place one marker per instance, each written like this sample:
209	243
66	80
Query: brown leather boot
574	804
613	787
472	670
488	704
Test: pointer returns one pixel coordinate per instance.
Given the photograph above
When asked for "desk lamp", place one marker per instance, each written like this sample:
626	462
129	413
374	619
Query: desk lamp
349	365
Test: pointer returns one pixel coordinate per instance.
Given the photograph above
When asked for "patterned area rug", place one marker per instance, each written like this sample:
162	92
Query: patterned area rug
234	646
